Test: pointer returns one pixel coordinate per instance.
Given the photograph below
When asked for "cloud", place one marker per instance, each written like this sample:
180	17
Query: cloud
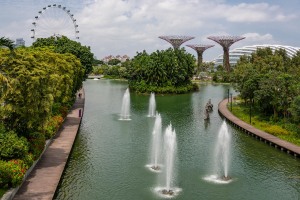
256	37
136	24
126	26
246	12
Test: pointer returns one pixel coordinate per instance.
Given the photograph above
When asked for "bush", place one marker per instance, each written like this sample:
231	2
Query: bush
52	126
142	87
12	146
63	110
276	130
37	144
12	173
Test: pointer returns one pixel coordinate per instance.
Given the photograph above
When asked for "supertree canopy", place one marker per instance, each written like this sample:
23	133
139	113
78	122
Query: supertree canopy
176	40
199	48
226	42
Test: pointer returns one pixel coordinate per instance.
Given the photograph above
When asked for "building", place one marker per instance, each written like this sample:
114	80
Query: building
235	54
119	57
19	42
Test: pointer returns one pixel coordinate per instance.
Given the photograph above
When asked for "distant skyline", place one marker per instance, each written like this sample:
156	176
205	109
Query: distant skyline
119	27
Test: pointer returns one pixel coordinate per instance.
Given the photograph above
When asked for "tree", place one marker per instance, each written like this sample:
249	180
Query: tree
97	62
65	45
160	70
295	109
38	77
270	78
7	43
114	61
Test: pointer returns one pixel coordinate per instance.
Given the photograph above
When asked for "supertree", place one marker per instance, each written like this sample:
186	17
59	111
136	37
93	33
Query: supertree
176	40
226	42
199	48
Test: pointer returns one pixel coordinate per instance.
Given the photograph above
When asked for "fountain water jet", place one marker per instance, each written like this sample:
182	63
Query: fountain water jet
156	145
152	105
222	155
170	149
125	111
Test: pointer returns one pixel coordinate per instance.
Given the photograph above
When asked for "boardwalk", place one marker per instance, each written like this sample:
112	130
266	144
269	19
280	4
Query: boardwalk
267	138
44	178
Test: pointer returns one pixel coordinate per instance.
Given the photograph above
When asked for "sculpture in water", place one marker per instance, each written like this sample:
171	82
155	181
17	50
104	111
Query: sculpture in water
125	110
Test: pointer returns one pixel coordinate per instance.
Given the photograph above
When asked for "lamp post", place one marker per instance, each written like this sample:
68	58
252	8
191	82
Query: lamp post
231	102
250	111
228	95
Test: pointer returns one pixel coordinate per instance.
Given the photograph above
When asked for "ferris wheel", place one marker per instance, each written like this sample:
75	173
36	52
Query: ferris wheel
55	20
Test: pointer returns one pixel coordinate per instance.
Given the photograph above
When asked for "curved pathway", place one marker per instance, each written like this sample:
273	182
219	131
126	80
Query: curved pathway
43	180
259	134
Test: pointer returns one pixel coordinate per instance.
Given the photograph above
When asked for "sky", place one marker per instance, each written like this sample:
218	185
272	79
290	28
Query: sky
125	27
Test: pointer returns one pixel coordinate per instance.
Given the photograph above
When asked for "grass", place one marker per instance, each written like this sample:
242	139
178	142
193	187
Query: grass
285	131
2	191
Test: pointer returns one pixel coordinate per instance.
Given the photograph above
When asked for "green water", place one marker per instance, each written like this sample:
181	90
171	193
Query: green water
109	156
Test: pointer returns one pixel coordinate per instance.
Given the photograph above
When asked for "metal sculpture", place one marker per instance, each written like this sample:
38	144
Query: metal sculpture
199	48
176	40
226	42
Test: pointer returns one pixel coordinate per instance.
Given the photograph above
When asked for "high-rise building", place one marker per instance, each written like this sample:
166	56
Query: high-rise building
20	42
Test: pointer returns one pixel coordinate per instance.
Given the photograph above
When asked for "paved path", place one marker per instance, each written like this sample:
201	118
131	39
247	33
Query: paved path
44	178
268	138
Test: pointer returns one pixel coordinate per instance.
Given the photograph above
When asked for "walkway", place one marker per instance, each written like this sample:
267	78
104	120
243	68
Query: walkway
44	178
259	134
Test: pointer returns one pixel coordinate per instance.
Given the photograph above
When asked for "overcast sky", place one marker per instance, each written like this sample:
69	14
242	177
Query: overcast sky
112	27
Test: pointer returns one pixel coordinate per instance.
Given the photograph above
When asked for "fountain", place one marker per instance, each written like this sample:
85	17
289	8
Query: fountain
156	145
125	111
170	148
152	105
221	156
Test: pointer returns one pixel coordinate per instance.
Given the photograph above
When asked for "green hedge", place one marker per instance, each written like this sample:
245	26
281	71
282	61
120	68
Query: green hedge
12	146
144	88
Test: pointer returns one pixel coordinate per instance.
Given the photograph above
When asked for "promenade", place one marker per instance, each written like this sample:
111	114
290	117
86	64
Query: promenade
43	180
259	134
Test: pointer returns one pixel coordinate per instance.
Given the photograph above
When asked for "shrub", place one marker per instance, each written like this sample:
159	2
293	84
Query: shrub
29	159
276	130
12	146
64	110
142	87
37	144
52	126
12	173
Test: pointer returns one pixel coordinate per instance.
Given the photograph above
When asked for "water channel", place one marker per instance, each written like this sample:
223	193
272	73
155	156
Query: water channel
109	156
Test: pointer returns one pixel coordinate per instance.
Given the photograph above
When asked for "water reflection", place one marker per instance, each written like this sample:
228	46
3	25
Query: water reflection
109	156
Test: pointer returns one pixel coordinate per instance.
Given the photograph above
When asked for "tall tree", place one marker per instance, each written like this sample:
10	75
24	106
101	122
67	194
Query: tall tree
65	45
38	77
7	43
271	78
162	69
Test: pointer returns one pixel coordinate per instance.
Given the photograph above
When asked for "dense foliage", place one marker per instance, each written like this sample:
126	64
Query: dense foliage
38	86
166	71
271	82
6	42
65	45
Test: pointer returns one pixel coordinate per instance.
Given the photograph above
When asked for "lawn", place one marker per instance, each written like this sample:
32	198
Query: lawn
283	130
